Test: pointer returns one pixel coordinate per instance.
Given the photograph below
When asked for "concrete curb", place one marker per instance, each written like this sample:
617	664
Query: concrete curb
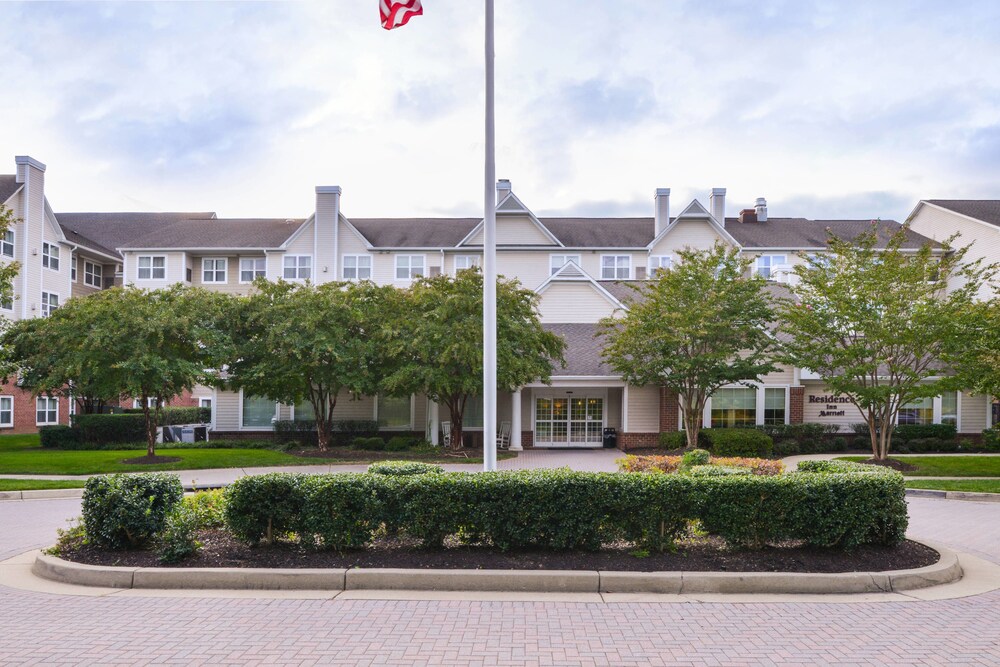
955	495
946	570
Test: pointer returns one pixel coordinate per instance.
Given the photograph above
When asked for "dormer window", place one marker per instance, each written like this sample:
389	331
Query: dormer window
767	263
556	262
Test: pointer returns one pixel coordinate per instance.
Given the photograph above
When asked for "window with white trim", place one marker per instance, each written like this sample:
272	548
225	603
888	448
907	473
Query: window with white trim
556	262
917	411
6	411
7	244
50	256
72	266
949	408
150	401
463	262
152	267
616	267
46	410
409	267
93	274
50	303
206	404
734	407
393	412
7	303
297	267
252	268
258	412
213	269
657	262
774	405
767	263
357	267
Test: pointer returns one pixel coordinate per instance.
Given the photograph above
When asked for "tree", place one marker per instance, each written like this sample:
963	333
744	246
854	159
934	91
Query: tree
882	323
439	342
694	328
304	342
123	341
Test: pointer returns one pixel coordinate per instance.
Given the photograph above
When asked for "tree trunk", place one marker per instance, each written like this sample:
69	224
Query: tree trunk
150	427
323	405
693	417
456	406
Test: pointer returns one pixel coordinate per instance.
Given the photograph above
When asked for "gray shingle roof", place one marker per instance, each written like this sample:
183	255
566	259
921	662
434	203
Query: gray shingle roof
601	232
802	233
987	210
219	233
414	232
583	350
107	231
8	186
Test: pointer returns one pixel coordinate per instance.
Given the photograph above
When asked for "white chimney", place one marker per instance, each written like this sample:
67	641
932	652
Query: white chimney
503	189
661	210
761	209
326	232
717	205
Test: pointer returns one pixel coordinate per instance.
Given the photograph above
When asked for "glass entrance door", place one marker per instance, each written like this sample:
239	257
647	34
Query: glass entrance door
569	422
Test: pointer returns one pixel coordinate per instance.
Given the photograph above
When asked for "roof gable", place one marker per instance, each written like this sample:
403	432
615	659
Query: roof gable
516	225
695	212
986	211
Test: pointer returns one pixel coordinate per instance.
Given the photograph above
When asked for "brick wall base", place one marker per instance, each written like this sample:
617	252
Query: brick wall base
629	441
527	439
796	404
669	411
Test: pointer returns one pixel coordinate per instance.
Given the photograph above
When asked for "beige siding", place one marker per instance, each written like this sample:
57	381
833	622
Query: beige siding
515	230
973	410
939	224
697	234
232	284
573	302
643	409
176	264
613	408
227	411
531	268
782	376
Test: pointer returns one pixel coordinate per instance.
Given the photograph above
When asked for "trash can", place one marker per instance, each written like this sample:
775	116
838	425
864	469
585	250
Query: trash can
610	437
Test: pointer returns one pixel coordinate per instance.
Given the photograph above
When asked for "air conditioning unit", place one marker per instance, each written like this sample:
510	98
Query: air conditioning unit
184	433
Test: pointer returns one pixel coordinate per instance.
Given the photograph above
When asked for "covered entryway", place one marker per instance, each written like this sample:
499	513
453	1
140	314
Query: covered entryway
571	419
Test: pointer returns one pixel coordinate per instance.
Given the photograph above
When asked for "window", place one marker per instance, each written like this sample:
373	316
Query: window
357	267
463	262
556	262
6	411
473	415
213	270
258	412
304	412
734	407
72	267
50	303
92	274
152	267
206	404
297	267
767	263
774	406
920	411
393	412
7	303
409	267
252	268
7	244
150	401
949	408
657	262
46	410
616	267
50	256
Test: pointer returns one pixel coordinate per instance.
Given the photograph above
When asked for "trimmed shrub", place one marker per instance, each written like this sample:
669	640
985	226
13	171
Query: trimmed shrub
991	439
740	442
784	448
756	466
177	541
341	511
403	468
346	430
838	444
717	471
400	443
672	464
827	467
126	511
696	457
921	445
373	444
261	507
100	429
302	431
908	432
672	440
632	463
177	415
209	508
59	437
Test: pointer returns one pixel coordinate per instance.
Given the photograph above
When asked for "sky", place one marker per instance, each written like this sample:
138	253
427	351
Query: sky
828	109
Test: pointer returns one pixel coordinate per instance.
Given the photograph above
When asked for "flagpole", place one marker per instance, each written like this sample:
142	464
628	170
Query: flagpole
490	265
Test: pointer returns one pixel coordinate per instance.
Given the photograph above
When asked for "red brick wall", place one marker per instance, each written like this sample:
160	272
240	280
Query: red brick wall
527	439
627	441
669	410
24	410
796	404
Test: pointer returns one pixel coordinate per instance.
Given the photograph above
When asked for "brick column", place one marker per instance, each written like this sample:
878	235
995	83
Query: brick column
796	403
669	411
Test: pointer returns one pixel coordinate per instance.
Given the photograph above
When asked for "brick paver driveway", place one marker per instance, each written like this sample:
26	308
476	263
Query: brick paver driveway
45	629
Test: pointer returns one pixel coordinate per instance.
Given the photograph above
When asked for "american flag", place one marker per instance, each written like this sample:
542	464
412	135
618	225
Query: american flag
395	13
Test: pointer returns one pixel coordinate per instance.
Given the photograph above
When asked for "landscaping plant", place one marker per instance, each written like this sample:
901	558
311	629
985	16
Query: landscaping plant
127	511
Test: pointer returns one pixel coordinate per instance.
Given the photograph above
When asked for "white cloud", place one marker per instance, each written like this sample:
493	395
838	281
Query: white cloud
847	109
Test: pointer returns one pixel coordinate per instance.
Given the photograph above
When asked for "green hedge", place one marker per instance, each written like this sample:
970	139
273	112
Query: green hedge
742	442
991	439
907	432
126	511
403	468
372	444
59	437
178	415
101	429
563	509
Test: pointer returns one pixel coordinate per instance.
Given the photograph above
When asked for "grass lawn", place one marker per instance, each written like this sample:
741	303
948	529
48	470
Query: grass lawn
32	484
974	485
947	466
21	455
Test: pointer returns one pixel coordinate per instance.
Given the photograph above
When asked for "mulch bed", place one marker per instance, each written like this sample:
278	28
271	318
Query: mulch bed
697	554
149	460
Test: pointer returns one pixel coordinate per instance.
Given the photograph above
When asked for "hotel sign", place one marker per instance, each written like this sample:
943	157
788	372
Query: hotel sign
833	406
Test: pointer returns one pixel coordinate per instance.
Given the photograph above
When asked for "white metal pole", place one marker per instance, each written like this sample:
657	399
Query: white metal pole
490	266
